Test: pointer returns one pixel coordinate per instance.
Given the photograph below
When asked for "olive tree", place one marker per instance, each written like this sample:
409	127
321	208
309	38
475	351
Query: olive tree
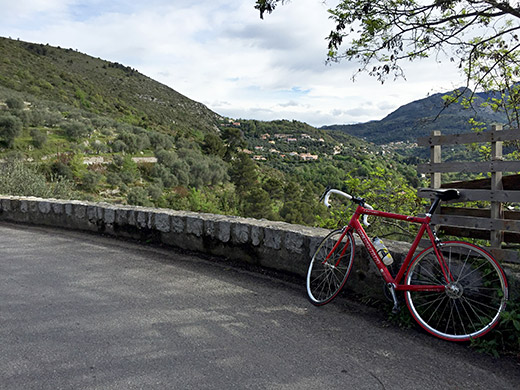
10	128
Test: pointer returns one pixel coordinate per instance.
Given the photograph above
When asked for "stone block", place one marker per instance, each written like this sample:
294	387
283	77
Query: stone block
194	225
80	211
57	208
162	222
257	235
272	238
294	242
109	215
224	231
240	233
178	223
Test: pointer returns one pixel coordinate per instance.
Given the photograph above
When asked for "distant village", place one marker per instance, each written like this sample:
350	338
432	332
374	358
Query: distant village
271	141
259	151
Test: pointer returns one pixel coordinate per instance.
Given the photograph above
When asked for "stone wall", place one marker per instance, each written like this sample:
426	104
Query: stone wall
276	245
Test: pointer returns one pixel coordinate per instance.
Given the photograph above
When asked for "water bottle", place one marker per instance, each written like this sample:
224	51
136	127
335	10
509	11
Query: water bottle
382	251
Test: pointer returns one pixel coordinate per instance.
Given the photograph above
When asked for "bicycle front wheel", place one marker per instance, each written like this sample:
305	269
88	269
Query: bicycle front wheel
330	267
474	296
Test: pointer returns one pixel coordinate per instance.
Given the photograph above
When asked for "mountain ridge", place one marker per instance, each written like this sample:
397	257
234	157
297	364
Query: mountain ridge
420	117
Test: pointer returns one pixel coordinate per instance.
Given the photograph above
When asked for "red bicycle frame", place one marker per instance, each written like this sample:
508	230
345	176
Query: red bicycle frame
355	225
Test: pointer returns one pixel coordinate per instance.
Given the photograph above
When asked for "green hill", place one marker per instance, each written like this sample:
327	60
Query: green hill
81	127
98	86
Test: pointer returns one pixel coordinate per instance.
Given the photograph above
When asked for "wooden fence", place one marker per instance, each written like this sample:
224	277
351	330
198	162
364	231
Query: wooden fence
496	224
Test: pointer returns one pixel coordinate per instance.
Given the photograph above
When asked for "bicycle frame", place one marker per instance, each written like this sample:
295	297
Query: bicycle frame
355	225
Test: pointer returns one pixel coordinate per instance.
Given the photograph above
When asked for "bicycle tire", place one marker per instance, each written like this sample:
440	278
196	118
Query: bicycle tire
326	277
471	304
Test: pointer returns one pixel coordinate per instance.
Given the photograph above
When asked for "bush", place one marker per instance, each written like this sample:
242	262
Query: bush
90	181
39	138
10	128
20	179
138	196
76	130
15	103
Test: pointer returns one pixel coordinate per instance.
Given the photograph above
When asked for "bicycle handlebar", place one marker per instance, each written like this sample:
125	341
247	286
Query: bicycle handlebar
330	191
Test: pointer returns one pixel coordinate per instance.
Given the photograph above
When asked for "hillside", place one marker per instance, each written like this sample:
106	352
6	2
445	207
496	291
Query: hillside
420	118
98	86
74	126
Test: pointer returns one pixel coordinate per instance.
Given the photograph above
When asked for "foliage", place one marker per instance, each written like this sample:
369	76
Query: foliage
39	138
20	179
505	338
386	192
381	35
204	163
10	128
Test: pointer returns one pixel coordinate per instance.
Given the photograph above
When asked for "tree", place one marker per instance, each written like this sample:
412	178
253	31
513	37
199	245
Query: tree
257	204
39	138
243	173
213	145
10	128
481	36
76	130
15	103
234	140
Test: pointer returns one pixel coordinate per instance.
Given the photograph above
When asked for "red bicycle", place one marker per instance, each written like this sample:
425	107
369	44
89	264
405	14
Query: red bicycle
453	289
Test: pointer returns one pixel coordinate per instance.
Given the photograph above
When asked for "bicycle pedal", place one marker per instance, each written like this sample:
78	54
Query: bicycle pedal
396	309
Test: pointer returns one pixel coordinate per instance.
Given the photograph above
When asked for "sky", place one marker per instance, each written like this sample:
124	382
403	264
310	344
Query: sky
220	53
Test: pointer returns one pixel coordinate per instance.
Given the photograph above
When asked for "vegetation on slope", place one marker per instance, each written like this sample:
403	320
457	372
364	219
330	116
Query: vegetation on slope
102	131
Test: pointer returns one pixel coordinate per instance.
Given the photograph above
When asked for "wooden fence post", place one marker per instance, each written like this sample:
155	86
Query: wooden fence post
496	236
435	157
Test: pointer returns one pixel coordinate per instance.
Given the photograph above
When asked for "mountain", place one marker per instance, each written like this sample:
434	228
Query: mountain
98	86
420	118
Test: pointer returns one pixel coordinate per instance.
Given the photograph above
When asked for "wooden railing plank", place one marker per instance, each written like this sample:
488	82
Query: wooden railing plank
477	222
469	167
469	138
485	195
496	224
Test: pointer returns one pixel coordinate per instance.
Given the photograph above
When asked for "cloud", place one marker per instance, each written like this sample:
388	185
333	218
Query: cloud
220	53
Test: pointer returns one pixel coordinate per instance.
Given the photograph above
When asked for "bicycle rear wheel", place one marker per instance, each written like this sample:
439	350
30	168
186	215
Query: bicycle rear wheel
472	300
330	267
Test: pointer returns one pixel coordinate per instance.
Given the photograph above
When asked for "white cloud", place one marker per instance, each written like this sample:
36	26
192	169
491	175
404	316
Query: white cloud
220	53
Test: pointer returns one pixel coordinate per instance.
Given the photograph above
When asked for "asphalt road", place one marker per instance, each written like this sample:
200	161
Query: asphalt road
79	311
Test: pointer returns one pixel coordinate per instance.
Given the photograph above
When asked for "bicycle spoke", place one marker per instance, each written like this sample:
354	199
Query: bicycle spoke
461	320
330	267
472	301
479	303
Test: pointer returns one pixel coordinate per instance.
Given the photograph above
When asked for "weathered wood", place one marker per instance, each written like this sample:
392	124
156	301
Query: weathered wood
505	255
496	185
435	158
493	224
476	233
470	167
509	182
477	222
471	212
486	195
469	138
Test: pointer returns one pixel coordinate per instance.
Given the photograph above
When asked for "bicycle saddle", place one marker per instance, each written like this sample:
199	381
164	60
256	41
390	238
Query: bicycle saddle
443	194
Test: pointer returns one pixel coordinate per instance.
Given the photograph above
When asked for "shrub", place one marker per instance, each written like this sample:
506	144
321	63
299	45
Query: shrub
20	179
10	128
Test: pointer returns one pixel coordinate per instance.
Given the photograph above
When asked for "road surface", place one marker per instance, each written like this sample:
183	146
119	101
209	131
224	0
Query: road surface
81	311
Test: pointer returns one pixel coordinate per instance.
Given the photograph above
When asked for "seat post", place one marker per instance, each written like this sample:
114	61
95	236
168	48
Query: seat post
434	206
